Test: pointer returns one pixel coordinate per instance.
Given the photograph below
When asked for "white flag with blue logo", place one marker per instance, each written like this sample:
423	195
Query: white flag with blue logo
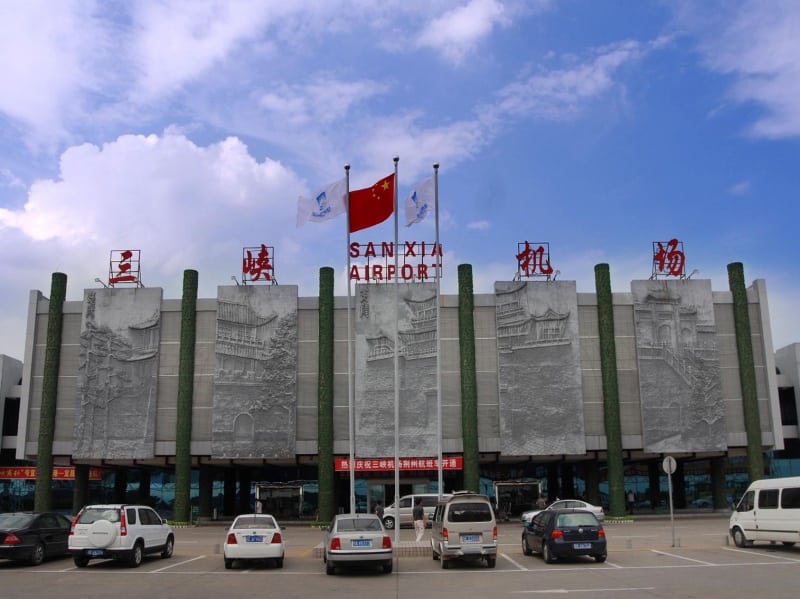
420	202
325	203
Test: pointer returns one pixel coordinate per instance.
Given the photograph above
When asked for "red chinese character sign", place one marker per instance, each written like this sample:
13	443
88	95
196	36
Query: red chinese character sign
124	267
257	264
668	259
533	260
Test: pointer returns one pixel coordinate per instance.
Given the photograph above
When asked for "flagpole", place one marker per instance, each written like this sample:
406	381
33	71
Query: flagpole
350	362
439	456
396	370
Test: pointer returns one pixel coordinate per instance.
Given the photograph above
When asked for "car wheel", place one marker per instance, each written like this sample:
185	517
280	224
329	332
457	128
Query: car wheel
491	562
525	547
80	561
169	547
547	555
279	562
788	543
37	556
228	563
137	555
388	522
600	558
330	569
445	563
387	568
739	539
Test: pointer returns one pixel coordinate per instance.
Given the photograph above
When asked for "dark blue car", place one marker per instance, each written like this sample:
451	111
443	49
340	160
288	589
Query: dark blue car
565	533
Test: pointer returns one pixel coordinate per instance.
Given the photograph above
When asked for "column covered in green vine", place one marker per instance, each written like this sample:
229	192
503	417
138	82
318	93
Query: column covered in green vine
469	384
47	423
183	432
608	369
747	370
325	474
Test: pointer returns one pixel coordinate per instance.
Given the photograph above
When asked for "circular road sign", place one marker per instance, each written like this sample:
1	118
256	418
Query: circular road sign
669	464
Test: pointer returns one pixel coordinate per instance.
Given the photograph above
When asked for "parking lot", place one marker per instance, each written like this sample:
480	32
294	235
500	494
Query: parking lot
643	561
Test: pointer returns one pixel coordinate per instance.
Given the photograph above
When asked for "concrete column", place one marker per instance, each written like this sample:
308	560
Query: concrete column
326	474
206	491
229	493
245	482
469	383
120	485
43	498
611	412
80	488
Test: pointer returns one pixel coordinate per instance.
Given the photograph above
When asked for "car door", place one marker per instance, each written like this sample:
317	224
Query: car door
54	532
537	529
151	523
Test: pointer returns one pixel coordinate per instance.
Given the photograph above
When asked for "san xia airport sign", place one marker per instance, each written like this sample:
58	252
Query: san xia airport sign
377	261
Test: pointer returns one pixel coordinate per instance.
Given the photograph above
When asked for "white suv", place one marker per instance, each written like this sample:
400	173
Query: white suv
118	531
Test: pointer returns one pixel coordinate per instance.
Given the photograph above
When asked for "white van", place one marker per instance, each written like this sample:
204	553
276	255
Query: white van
768	511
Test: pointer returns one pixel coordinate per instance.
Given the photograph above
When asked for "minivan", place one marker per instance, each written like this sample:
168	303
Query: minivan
407	502
464	527
768	511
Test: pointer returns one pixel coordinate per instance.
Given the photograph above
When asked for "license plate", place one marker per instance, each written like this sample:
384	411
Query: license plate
362	543
582	545
471	539
254	539
94	552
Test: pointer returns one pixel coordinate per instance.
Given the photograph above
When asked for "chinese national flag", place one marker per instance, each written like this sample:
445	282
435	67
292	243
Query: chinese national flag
372	205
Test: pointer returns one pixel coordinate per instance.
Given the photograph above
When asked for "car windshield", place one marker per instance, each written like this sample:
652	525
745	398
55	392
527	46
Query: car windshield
470	512
568	520
92	515
356	524
15	520
254	522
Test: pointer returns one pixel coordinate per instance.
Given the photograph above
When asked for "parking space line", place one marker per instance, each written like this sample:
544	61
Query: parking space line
176	564
760	554
688	559
593	590
519	566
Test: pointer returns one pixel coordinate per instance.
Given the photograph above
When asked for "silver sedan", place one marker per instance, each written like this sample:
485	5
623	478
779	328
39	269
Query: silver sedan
356	540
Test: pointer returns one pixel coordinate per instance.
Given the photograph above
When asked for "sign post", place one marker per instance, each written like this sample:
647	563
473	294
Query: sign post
669	464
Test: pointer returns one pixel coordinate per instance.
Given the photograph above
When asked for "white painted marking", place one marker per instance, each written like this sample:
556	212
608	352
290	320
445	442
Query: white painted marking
567	591
688	559
519	566
173	565
760	554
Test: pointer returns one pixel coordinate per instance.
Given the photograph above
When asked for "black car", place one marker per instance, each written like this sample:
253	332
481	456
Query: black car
565	533
31	537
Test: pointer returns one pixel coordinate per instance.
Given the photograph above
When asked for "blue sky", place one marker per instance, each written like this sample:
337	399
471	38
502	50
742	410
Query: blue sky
188	130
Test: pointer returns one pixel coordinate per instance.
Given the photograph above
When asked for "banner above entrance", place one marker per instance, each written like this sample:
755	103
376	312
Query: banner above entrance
387	464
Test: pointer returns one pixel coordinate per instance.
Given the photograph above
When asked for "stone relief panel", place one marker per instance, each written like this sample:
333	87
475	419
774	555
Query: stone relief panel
118	374
255	379
374	369
679	370
538	368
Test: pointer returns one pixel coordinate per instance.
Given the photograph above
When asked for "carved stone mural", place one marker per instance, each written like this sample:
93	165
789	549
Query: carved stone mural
255	381
538	368
118	374
374	369
679	372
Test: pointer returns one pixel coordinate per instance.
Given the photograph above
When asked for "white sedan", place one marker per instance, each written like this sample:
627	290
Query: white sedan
566	503
254	537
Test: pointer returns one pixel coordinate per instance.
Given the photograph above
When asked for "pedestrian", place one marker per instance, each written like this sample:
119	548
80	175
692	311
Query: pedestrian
541	503
419	519
379	510
631	500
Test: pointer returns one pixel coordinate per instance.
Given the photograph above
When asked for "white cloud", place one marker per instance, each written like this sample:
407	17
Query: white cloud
457	32
757	43
562	93
479	225
740	188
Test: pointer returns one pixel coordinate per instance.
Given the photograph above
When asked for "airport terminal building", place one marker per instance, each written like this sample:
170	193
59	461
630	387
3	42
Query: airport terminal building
585	392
